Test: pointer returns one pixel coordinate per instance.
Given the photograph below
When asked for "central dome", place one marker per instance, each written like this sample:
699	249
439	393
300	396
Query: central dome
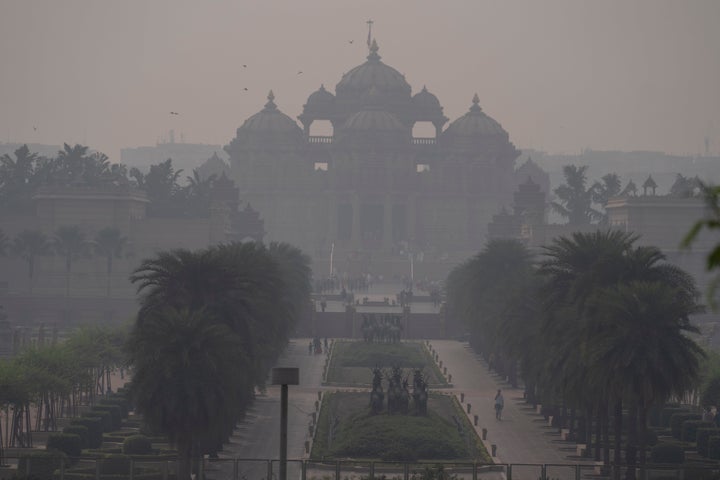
372	73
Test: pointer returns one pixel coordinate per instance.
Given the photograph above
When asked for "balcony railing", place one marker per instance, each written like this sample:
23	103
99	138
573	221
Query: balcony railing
320	139
424	141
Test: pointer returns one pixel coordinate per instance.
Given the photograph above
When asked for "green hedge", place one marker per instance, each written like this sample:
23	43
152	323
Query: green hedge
702	436
713	447
690	428
118	400
68	443
137	445
94	426
41	463
115	465
667	413
667	453
115	414
676	421
106	419
81	431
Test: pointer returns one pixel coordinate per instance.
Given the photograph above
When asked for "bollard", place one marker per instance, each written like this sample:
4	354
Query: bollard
441	364
468	405
310	430
314	417
494	450
476	420
484	433
320	393
307	446
450	378
462	398
444	370
317	405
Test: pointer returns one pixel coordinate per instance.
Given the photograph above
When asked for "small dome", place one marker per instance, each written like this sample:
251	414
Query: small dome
320	99
425	99
270	120
373	73
475	124
373	120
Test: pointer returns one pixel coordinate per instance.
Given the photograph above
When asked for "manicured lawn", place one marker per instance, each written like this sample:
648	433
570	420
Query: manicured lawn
352	362
359	435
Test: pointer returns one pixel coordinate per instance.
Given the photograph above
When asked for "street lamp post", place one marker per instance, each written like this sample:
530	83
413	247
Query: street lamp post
284	376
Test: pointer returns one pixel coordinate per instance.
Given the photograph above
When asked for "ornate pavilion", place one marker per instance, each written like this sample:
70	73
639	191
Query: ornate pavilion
370	191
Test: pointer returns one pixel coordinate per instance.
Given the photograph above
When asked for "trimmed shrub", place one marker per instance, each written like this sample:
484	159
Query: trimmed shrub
68	443
118	400
41	463
94	426
676	421
667	413
690	428
713	447
81	431
667	453
651	437
701	438
137	445
115	414
115	465
106	421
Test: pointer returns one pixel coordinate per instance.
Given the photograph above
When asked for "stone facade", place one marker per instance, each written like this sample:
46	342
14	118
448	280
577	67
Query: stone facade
370	191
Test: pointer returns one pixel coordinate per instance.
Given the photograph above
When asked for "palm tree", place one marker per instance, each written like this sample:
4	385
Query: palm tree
575	198
28	245
3	244
109	243
641	347
16	178
70	243
72	162
608	187
187	371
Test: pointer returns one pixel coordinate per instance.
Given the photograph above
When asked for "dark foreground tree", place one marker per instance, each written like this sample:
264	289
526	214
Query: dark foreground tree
186	376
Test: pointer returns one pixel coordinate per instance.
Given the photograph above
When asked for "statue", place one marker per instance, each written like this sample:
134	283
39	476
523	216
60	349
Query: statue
376	395
420	394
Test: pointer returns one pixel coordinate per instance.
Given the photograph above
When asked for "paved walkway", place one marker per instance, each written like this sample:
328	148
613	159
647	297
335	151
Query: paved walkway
521	437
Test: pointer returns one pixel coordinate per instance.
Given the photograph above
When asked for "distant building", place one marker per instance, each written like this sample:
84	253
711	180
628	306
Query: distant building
369	190
185	156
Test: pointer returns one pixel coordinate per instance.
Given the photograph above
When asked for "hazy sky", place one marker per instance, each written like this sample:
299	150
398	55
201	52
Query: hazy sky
559	75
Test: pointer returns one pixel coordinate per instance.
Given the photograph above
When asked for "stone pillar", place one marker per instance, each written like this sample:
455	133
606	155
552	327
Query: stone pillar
387	238
356	237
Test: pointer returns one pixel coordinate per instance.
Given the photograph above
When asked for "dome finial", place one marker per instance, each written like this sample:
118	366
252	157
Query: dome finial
373	51
270	105
475	106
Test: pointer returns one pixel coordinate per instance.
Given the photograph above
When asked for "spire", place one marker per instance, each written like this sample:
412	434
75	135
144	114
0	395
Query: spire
270	105
475	106
373	51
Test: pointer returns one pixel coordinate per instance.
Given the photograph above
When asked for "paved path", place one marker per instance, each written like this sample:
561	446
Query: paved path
522	437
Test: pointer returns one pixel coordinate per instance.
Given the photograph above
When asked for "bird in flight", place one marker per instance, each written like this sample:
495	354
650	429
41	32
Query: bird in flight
351	41
245	89
299	72
244	66
174	113
34	128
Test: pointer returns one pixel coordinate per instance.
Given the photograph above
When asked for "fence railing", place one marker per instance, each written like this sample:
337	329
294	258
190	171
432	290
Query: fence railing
88	468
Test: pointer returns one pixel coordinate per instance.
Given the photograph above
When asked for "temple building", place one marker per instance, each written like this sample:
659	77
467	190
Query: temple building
370	191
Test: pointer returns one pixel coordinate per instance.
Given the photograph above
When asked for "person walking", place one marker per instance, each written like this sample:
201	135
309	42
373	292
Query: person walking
499	404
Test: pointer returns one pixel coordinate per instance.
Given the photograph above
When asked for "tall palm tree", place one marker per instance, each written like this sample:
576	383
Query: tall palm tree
575	198
641	347
186	376
28	245
72	161
70	243
16	178
3	244
109	243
